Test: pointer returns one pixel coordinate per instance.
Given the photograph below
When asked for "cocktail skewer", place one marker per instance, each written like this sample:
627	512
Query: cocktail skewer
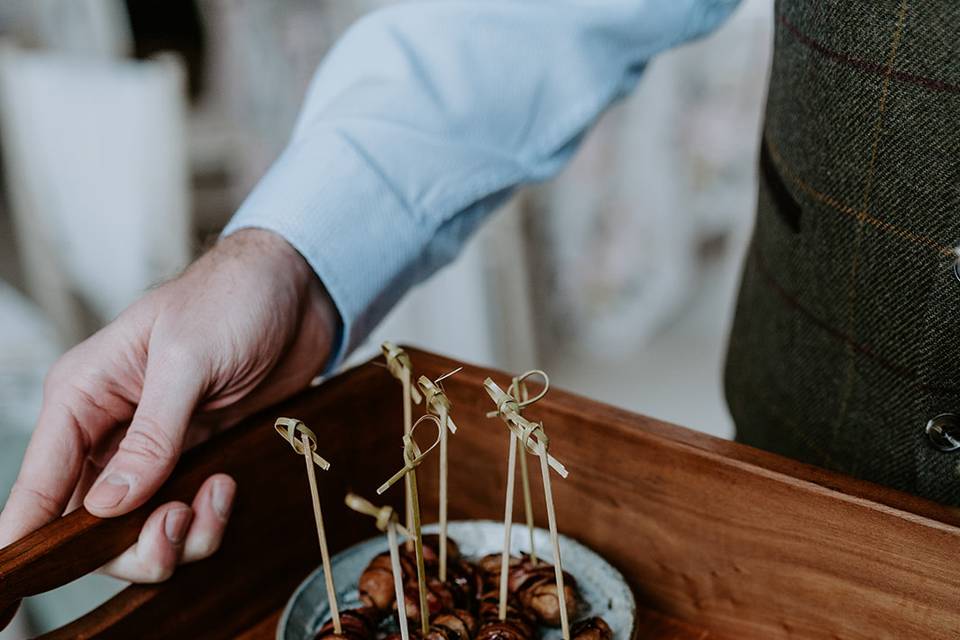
398	364
542	444
532	437
518	389
412	457
507	525
387	521
507	409
507	406
306	445
438	404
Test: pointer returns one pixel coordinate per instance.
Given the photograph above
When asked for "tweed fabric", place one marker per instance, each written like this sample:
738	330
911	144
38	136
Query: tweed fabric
846	338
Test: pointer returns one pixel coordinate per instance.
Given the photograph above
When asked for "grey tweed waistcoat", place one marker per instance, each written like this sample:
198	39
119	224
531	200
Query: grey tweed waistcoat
846	340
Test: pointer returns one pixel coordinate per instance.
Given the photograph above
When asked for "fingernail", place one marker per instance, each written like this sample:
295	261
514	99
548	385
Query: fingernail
175	524
222	498
109	492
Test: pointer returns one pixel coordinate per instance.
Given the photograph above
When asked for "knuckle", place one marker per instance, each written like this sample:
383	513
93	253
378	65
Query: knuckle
57	376
157	572
206	547
40	500
177	352
180	357
78	366
173	338
147	441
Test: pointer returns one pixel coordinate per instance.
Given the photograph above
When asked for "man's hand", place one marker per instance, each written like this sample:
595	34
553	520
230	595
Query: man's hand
245	326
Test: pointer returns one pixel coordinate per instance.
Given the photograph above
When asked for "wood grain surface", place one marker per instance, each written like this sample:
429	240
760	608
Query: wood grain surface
719	541
734	540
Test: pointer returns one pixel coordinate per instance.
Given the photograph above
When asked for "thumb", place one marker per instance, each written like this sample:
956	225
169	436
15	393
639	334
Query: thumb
153	442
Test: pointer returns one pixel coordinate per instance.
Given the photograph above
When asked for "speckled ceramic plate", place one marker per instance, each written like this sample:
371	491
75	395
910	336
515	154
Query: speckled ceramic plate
605	593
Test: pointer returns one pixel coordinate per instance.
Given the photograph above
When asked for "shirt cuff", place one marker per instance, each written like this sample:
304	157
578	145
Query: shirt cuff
326	198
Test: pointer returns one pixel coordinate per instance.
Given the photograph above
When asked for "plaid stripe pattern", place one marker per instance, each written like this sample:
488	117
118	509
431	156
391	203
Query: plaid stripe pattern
847	331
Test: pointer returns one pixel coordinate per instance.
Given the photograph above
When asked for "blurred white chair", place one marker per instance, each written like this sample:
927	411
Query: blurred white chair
98	28
97	171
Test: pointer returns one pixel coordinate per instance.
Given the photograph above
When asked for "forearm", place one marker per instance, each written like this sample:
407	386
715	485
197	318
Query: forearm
425	117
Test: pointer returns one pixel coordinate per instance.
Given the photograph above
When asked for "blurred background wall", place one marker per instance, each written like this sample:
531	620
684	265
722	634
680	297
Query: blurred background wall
131	130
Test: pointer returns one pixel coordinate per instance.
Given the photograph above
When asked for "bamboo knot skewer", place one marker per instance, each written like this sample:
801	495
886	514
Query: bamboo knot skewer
518	389
386	519
533	438
438	404
384	516
522	428
412	457
289	427
306	446
508	403
399	365
437	401
412	454
513	404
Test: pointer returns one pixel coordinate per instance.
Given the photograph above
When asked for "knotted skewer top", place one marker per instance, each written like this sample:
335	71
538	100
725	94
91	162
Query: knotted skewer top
530	434
437	401
510	402
384	515
398	362
412	454
289	428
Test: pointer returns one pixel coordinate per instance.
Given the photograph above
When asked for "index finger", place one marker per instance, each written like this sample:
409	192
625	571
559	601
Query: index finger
52	464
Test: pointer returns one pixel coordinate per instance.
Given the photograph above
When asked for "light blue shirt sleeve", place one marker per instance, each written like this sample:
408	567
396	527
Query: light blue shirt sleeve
425	116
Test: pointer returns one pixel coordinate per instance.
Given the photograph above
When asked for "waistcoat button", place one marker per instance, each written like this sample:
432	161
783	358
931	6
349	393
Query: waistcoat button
944	432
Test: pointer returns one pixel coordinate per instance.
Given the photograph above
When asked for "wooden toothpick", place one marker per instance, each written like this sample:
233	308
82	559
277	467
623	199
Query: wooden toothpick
527	503
398	363
386	519
542	443
507	524
518	389
532	437
438	404
306	445
412	457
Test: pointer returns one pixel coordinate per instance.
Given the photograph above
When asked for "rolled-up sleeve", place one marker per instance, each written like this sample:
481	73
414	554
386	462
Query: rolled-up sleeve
425	116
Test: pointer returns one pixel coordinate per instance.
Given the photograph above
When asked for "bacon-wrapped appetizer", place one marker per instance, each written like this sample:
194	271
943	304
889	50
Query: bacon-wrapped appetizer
534	585
450	625
506	630
376	582
457	624
591	629
431	551
519	625
536	589
439	598
489	566
464	581
458	592
355	624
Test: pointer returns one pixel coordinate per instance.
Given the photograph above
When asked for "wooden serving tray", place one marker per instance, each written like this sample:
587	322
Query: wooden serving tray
719	540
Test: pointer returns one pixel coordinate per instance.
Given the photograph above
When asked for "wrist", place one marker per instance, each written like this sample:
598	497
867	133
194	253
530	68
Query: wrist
273	255
270	253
